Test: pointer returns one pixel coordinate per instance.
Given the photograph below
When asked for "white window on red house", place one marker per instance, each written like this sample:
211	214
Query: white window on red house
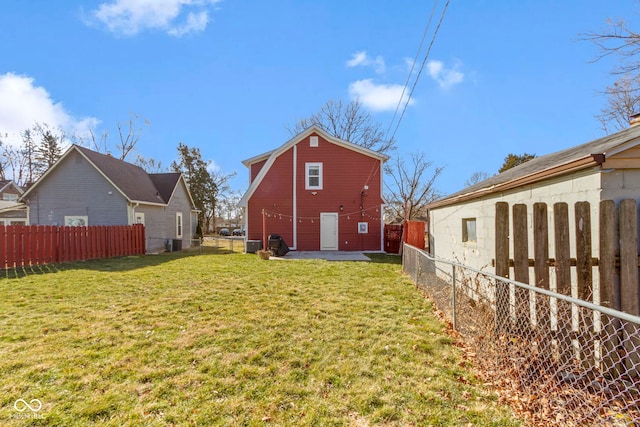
313	176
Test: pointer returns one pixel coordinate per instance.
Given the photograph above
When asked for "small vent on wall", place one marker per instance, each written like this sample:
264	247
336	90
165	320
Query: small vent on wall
313	141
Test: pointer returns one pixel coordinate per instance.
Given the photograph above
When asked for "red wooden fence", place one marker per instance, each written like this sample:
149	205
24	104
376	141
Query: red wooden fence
392	238
22	246
414	233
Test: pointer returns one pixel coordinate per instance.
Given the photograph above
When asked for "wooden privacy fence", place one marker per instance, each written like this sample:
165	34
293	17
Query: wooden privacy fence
617	278
414	233
22	246
618	250
411	232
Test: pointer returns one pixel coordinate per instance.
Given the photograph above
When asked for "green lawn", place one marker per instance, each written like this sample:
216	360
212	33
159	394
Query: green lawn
215	339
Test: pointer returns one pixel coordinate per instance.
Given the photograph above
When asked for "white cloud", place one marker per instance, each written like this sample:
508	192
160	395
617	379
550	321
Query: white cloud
361	59
377	97
23	104
130	17
446	77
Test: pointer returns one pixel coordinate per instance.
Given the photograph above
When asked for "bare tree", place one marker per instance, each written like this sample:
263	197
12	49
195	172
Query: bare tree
412	186
30	163
98	144
129	137
350	123
221	195
475	178
623	96
14	163
150	164
4	162
623	101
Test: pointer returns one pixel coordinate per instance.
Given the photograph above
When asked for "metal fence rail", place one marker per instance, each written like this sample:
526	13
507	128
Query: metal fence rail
561	360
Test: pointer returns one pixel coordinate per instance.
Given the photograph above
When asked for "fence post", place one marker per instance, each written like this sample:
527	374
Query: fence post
453	298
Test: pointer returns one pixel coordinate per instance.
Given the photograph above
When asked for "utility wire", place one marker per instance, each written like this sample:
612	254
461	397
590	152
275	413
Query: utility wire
424	61
413	64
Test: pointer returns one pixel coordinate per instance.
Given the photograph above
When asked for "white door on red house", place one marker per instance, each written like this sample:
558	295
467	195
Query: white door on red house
328	231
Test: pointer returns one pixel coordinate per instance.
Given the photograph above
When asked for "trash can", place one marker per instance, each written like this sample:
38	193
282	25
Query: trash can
252	246
168	245
277	245
177	244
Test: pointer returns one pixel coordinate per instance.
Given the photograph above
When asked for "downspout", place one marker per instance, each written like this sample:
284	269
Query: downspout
133	213
295	197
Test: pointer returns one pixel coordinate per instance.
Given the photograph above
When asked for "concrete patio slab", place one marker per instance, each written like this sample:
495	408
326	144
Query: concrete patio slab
326	255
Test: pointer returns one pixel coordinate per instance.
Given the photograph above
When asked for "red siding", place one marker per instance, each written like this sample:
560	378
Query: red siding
256	168
345	173
275	196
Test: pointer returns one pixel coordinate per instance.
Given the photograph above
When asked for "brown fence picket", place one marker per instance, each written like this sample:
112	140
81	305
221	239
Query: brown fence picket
562	248
629	257
584	273
521	260
502	265
609	284
629	275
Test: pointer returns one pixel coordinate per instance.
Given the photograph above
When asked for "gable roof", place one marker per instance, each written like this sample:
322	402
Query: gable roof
572	159
271	156
4	183
133	182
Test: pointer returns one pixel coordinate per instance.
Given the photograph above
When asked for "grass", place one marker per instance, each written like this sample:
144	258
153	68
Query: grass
185	339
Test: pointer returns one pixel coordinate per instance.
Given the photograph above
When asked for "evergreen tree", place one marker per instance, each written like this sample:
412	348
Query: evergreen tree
201	185
513	160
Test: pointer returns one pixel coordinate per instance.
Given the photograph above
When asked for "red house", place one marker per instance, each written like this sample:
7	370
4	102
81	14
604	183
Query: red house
318	193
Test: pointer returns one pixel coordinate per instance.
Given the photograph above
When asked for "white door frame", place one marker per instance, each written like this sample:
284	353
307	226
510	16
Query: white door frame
329	231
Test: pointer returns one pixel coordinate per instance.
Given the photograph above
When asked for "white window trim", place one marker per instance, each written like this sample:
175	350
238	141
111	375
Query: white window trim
306	176
363	228
139	215
179	225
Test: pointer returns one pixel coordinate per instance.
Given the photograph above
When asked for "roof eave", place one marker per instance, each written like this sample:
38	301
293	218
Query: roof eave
573	166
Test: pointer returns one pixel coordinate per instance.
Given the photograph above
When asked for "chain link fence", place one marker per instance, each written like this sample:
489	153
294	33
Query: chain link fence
556	359
223	244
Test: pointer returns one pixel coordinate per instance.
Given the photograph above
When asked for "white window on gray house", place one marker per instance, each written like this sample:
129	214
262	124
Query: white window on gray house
469	230
140	218
313	176
179	225
76	220
8	197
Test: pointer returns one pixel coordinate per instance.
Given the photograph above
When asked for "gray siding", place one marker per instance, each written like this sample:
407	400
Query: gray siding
75	187
154	228
160	221
180	203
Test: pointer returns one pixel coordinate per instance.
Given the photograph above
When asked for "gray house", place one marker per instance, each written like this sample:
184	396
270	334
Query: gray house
11	211
88	188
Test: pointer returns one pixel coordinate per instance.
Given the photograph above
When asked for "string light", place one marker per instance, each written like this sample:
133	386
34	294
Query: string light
364	213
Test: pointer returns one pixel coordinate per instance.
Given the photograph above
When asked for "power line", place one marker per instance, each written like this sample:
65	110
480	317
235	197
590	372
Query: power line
413	64
424	61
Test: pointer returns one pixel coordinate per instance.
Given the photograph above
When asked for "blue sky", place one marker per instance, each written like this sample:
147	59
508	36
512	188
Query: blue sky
231	76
